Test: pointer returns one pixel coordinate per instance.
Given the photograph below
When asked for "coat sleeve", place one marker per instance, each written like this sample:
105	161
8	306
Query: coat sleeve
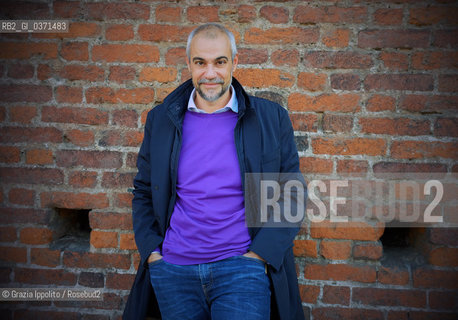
272	241
147	236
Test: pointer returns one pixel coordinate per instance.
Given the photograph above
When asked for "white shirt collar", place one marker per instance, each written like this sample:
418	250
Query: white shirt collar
231	105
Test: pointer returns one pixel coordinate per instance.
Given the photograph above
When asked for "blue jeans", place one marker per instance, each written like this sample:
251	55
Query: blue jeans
233	288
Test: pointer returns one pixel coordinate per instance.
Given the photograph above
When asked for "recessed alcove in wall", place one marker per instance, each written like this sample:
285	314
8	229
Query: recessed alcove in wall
71	230
403	245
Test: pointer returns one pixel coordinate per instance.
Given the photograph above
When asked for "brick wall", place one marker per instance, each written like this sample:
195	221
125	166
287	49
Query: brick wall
369	85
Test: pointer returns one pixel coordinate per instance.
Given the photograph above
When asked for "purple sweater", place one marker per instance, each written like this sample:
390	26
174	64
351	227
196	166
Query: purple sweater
208	221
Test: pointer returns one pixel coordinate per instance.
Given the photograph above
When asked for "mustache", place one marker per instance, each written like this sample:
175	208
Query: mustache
213	81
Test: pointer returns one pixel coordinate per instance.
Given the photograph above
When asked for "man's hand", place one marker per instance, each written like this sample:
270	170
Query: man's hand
154	257
251	254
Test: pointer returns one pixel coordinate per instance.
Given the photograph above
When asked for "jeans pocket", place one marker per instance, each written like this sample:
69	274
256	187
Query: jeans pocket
258	261
155	263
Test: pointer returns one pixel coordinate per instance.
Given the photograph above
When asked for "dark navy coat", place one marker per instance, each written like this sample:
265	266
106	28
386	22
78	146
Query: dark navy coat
264	142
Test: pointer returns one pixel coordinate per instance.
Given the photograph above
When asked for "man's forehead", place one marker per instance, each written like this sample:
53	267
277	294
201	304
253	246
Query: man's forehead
211	44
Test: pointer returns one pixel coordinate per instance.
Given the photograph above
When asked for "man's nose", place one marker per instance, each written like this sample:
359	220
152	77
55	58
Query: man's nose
210	72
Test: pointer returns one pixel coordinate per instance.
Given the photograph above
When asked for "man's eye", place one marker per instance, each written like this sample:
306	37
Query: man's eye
199	63
221	62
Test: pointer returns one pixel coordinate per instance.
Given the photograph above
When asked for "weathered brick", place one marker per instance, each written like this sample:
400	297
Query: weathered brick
30	135
25	215
166	13
288	35
382	168
309	293
123	200
39	156
25	93
8	234
352	167
448	83
423	149
326	313
20	71
350	146
405	39
26	50
252	56
46	176
288	57
305	248
82	138
335	38
311	81
379	102
69	94
368	251
36	235
345	81
10	154
315	165
127	241
347	231
337	60
390	297
337	123
335	250
433	15
304	122
96	260
336	295
119	32
66	9
120	281
70	200
388	17
110	220
91	116
78	72
412	82
75	51
324	102
393	275
125	118
83	179
443	257
274	14
123	95
89	159
45	257
340	272
175	56
118	180
423	103
44	276
445	300
330	14
395	60
22	114
397	126
264	78
246	13
14	254
107	11
91	279
160	74
202	14
446	38
104	239
444	236
159	33
431	60
431	278
121	73
125	53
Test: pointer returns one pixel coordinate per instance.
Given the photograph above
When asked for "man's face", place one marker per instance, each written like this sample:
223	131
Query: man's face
211	65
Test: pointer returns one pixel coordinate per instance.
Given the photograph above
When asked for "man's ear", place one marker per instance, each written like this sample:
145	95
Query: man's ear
235	62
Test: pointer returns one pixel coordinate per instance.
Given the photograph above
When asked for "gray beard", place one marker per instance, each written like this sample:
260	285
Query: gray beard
213	97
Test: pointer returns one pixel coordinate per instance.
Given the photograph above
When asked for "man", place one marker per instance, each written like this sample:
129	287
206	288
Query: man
196	250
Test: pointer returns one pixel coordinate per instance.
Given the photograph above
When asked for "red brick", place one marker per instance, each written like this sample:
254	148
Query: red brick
91	116
304	122
430	278
413	82
20	71
329	14
175	56
274	14
30	135
446	38
389	297
352	167
119	32
381	103
96	260
118	180
24	215
167	33
127	241
131	160
66	9
10	154
400	38
397	126
448	83
121	74
350	146
110	220
324	102
123	200
75	51
83	179
290	35
444	236
264	78
202	14
395	60
444	257
32	176
77	72
45	314
335	38
69	94
443	300
44	276
165	13
104	239
347	231
89	159
354	313
39	156
382	168
309	293
252	56
13	254
393	275
423	149
336	295
288	57
71	200
315	165
345	81
8	234
45	257
125	53
107	11
82	138
311	81
75	30
337	60
91	279
246	13
160	74
25	93
123	95
305	248
36	235
388	17
421	103
133	139
340	272
431	60
433	15
367	251
335	250
120	281
22	114
337	123
125	118
26	50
